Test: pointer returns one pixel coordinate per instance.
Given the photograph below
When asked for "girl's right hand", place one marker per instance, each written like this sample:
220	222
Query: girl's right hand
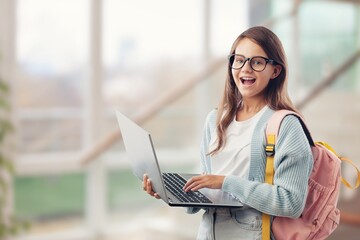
148	187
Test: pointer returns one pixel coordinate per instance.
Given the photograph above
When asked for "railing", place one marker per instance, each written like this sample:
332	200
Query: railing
327	81
149	110
167	98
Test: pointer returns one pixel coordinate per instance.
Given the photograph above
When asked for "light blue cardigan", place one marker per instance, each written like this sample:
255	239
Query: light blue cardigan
293	164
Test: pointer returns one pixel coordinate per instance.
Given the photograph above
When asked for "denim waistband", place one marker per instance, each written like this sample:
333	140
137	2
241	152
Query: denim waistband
227	211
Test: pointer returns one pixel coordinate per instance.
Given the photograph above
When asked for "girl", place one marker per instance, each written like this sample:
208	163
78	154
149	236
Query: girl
233	148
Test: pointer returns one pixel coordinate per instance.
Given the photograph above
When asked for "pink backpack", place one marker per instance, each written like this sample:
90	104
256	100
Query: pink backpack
321	215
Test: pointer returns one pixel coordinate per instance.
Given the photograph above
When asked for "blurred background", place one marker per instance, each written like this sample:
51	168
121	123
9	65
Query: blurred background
69	63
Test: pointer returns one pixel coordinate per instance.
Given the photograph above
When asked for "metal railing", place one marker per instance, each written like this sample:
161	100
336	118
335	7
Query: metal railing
170	96
150	109
327	81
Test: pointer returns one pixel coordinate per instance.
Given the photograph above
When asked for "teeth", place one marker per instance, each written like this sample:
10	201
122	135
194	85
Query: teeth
247	78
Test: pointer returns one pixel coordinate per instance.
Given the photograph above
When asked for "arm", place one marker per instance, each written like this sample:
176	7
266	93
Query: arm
293	164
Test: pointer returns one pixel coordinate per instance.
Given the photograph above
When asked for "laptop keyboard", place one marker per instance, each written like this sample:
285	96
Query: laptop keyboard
174	183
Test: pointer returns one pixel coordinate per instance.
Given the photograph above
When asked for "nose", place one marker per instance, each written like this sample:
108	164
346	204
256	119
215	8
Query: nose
246	66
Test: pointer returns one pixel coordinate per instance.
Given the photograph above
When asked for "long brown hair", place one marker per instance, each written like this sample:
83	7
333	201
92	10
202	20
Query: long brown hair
276	95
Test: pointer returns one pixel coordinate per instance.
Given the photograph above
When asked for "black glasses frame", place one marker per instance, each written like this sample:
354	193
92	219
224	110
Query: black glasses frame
231	59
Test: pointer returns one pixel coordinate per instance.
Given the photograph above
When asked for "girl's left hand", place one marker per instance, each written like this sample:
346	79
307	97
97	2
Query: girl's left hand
204	181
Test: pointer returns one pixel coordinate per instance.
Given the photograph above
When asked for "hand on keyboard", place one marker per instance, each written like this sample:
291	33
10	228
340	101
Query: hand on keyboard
204	181
174	183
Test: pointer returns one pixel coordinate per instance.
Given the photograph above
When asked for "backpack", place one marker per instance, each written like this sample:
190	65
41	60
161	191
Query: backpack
320	216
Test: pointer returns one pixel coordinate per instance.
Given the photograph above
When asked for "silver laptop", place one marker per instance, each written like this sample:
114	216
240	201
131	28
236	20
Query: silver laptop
141	153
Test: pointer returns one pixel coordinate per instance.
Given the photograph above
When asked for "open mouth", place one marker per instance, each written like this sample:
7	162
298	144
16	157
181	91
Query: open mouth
247	80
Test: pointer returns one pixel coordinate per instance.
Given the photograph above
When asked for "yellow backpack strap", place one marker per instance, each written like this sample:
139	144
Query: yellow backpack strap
269	178
270	152
272	129
346	183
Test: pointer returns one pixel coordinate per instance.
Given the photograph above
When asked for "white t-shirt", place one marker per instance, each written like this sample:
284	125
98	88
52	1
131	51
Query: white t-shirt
234	158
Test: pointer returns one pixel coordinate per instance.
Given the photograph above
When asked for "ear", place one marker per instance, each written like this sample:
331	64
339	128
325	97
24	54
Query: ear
277	71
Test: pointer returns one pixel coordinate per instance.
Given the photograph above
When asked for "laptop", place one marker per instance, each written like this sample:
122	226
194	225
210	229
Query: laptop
141	153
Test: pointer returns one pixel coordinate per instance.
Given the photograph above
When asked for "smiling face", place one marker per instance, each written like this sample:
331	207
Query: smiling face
251	84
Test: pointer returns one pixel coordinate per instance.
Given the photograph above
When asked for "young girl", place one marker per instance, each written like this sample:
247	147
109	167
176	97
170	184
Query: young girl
233	148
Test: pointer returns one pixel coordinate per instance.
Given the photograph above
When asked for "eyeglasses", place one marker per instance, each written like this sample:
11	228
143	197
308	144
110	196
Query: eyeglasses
257	63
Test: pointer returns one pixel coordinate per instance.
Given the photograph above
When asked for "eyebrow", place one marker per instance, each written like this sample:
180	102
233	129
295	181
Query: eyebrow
251	56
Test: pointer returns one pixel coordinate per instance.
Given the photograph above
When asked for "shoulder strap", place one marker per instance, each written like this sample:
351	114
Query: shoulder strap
274	123
272	130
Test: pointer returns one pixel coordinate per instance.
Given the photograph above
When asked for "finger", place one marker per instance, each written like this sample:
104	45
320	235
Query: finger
196	186
189	183
150	190
149	187
145	177
193	184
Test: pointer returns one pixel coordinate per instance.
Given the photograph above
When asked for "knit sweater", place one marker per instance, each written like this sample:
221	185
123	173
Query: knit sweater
293	163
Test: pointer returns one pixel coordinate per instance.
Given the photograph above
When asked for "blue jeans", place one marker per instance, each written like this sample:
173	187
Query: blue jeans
227	223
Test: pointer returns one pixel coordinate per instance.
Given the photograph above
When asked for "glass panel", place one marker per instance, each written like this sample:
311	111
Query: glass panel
325	41
124	190
326	46
227	22
51	203
49	135
148	49
52	56
52	49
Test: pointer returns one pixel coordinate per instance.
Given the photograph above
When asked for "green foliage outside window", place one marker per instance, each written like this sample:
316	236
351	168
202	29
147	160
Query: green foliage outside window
9	224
